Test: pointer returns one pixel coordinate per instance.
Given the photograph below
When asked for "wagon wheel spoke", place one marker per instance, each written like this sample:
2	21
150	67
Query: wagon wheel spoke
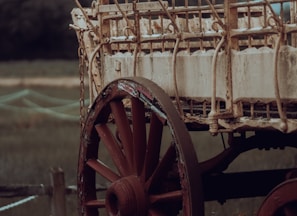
174	195
139	134
103	169
162	168
123	127
113	148
130	154
96	203
153	146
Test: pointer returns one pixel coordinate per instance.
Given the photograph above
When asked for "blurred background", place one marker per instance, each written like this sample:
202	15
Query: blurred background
39	99
34	29
39	109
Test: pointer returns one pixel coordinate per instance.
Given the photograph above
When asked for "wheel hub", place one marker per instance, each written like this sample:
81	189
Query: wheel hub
126	197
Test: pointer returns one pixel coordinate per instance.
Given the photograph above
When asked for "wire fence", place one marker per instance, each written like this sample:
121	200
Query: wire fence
29	101
57	191
17	203
32	102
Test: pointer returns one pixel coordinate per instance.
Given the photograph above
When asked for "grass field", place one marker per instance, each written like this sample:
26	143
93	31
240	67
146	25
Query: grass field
31	142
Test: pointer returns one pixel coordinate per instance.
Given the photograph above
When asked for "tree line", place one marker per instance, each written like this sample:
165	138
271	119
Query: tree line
32	29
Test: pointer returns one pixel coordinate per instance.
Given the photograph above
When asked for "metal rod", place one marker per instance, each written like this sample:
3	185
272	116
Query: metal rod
214	77
175	76
284	125
169	16
125	17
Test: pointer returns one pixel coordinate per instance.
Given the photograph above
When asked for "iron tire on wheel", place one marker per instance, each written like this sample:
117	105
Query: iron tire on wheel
147	176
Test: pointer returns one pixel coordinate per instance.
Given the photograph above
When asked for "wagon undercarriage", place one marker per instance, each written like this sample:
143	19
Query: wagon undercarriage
158	70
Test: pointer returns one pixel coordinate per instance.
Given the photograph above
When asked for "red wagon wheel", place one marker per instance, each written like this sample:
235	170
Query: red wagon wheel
144	173
282	200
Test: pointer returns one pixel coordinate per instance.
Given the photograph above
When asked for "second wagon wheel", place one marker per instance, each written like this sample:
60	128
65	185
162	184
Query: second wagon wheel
123	147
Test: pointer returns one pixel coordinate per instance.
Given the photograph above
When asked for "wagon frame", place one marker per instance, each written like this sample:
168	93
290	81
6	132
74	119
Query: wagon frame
227	68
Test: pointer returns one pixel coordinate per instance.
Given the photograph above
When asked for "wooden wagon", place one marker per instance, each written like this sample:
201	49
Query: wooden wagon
155	71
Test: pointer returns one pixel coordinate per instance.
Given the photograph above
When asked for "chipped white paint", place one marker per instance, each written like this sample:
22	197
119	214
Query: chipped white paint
194	71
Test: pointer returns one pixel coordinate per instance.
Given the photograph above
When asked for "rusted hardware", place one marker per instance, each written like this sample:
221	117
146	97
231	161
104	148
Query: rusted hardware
82	71
212	116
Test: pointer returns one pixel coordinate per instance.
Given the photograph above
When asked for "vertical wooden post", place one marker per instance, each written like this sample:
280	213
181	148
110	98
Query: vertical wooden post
58	201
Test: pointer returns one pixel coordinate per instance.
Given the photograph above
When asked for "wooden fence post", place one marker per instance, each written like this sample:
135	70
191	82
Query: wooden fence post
58	201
